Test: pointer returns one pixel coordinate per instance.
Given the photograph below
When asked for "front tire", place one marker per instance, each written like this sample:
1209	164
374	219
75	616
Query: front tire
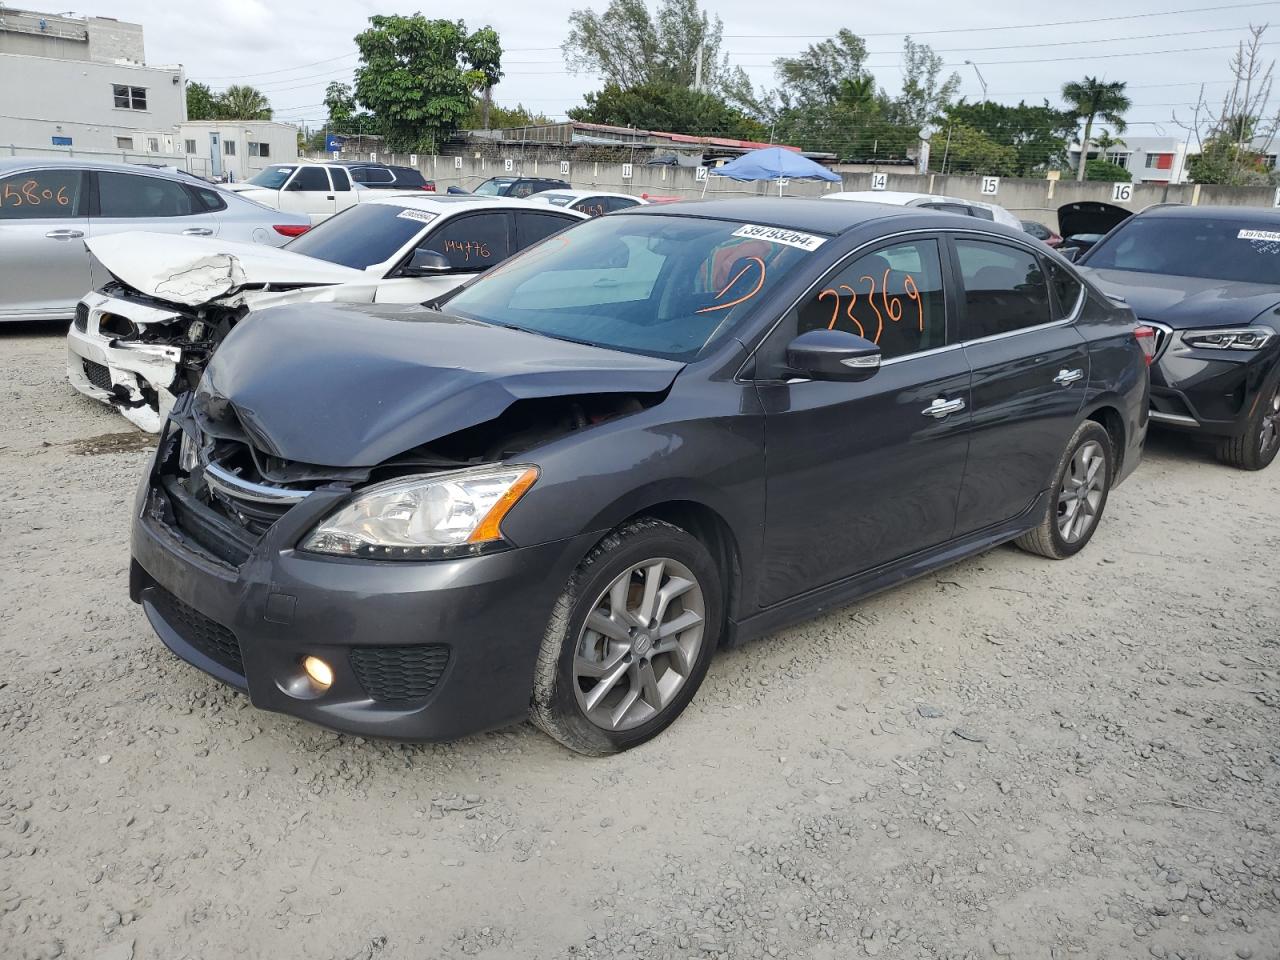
1082	482
1258	445
629	640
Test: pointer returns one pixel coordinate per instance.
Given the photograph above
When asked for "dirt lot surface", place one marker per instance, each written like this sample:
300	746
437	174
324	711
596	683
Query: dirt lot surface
1011	758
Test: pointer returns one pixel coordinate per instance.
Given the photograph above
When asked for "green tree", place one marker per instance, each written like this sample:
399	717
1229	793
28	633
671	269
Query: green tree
630	47
500	117
417	77
667	106
925	93
340	102
242	102
1222	159
484	54
1039	135
1107	172
1090	99
968	150
828	72
201	103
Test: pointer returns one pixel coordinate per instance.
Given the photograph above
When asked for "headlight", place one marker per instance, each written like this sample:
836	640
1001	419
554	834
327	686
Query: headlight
1243	338
431	517
188	453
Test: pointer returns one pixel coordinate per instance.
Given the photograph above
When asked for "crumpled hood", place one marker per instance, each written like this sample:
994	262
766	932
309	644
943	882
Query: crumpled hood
346	386
196	270
1185	303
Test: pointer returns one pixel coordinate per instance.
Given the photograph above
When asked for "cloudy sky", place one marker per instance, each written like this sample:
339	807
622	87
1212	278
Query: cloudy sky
291	50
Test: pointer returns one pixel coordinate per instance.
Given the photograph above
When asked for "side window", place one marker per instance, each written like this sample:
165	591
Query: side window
209	199
310	178
141	197
1066	290
340	181
472	242
593	206
1004	288
892	296
522	188
532	227
41	195
947	208
619	203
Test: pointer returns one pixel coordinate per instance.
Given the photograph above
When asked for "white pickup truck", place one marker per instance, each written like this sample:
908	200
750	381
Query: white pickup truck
318	190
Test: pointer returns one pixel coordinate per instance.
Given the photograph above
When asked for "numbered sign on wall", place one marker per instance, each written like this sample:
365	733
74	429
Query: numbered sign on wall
373	158
564	168
1277	201
700	174
457	163
1121	192
413	159
508	164
879	181
990	186
626	171
336	154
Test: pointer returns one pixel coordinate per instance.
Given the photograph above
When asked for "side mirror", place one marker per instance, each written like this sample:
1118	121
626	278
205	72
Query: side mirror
833	355
1071	253
424	263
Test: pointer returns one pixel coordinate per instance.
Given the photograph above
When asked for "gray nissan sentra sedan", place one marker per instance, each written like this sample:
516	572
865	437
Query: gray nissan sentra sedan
555	493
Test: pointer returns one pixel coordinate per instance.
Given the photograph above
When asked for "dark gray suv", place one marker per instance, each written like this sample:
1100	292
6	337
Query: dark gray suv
556	494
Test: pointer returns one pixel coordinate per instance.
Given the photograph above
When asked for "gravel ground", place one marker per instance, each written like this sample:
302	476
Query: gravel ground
1010	758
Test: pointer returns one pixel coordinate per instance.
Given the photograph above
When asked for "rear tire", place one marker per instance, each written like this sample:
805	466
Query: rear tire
1258	445
630	639
1081	484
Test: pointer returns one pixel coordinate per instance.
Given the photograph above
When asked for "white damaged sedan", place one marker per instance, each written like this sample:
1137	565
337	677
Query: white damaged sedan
147	335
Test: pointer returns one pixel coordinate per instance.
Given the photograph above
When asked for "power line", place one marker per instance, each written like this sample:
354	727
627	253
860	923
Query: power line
1021	26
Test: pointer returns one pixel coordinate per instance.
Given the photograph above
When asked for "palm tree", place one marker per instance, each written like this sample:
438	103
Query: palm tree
1107	144
241	102
1091	98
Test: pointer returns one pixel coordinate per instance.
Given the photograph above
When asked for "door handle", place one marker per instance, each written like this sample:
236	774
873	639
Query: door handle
65	234
943	408
330	197
1068	377
197	232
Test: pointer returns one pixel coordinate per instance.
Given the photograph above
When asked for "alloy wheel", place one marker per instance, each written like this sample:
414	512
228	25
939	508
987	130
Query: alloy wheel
1269	433
1081	492
639	644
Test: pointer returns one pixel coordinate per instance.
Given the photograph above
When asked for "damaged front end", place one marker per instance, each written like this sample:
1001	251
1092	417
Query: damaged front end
138	353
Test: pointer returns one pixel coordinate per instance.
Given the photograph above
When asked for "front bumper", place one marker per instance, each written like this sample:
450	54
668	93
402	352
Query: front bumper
419	651
1209	391
133	377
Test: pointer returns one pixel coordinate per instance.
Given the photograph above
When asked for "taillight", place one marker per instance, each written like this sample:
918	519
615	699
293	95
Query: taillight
1146	337
430	187
290	229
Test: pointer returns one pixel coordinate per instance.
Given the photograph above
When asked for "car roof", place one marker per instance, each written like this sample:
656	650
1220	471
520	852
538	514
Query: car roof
790	213
1182	211
455	203
14	164
579	194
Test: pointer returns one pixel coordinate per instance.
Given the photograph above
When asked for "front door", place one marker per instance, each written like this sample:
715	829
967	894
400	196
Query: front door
1030	370
44	266
861	474
309	191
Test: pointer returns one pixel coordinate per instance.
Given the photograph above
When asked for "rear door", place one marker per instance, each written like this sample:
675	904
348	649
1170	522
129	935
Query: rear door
309	191
1030	369
471	242
343	195
532	227
862	474
44	266
138	201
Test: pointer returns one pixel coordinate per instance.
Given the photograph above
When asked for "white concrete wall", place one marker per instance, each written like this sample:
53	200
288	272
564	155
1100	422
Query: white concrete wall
102	39
44	98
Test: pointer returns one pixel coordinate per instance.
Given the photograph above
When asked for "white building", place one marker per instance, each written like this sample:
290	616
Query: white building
82	85
236	148
1148	159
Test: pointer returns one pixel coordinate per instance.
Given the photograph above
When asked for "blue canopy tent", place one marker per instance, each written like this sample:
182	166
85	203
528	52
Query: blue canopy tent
772	163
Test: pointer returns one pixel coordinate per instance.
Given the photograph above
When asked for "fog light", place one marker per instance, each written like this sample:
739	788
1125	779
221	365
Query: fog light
321	673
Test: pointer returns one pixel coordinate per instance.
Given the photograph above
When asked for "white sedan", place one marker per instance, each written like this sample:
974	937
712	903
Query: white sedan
593	203
147	335
967	208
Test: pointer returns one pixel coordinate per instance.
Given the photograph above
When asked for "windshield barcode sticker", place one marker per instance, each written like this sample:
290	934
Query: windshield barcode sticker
791	238
420	215
1271	236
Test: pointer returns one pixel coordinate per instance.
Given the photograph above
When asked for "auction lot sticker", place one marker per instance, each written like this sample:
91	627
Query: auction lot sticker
420	215
791	238
1271	236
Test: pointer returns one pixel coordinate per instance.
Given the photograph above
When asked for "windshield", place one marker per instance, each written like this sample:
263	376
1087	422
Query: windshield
362	235
494	187
660	286
272	178
1235	249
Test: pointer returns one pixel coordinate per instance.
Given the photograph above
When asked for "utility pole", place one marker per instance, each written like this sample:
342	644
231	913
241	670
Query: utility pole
697	69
